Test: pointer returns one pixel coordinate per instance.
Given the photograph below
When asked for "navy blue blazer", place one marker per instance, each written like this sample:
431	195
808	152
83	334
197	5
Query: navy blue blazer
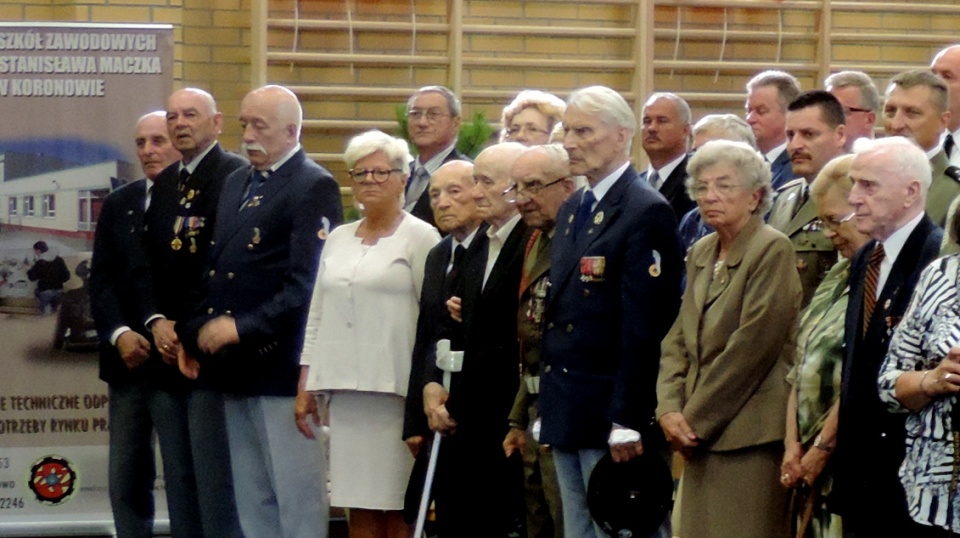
782	170
116	298
615	291
261	271
870	439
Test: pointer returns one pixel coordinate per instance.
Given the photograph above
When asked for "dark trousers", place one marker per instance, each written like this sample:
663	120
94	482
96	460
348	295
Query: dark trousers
136	410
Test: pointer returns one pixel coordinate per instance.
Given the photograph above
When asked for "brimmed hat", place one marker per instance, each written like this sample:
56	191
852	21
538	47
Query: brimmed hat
630	499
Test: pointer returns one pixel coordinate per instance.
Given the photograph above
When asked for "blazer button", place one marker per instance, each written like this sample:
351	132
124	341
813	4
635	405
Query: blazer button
229	313
230	276
249	246
213	272
550	325
212	242
586	293
569	328
210	310
547	368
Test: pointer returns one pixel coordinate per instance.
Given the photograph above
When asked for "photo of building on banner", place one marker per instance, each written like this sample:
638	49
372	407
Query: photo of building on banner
70	95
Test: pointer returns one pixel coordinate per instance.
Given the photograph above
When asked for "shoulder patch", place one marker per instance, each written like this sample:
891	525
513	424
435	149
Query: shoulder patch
953	172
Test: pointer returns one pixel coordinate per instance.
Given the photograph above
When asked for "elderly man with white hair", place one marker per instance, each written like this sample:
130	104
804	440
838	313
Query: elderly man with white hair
615	269
891	178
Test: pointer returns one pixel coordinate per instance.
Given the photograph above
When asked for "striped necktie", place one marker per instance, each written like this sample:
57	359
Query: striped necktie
870	284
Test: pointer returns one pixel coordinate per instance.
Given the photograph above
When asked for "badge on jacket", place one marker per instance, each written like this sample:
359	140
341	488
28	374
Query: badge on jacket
591	268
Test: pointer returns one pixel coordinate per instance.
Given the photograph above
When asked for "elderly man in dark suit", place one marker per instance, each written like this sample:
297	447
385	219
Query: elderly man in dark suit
543	180
433	115
768	94
479	491
615	269
665	136
891	180
246	340
179	226
145	393
455	213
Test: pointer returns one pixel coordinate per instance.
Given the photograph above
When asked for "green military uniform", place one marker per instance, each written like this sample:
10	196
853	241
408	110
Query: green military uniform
544	515
795	215
944	188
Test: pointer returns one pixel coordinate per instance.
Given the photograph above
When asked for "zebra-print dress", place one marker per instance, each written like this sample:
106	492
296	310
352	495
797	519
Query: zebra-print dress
931	326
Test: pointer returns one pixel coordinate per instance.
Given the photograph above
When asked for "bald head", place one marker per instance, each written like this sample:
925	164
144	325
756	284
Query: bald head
154	148
193	121
454	209
270	118
542	177
946	64
491	173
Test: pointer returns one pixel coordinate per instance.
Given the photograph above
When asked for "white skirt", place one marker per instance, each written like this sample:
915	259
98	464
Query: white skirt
369	462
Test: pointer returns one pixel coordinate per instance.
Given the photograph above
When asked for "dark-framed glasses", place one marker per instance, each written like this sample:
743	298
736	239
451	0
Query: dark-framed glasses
850	110
833	223
379	175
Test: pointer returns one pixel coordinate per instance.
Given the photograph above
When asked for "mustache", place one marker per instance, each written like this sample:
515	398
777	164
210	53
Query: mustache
247	148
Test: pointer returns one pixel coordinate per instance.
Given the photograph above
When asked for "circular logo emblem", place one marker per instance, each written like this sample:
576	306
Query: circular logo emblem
52	480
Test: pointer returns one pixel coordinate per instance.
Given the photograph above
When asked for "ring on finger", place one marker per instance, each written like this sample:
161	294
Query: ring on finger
946	377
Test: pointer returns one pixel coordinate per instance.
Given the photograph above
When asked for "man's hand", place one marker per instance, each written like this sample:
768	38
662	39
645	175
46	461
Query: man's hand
438	418
134	349
679	433
217	334
515	440
189	366
304	408
166	340
414	443
454	305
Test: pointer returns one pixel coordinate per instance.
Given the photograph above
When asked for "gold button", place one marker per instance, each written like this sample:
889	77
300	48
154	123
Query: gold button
212	272
230	276
210	310
249	246
569	328
546	369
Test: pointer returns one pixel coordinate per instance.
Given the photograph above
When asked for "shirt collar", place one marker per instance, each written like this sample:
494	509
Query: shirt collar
774	153
192	165
501	233
283	160
466	240
894	244
437	160
604	185
932	152
667	169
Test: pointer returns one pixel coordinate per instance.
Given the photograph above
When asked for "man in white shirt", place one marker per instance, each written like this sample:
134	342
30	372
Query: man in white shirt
946	65
666	139
768	95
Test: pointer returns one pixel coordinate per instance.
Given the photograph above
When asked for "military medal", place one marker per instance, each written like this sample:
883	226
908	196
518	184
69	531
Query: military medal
256	236
598	218
190	194
193	245
592	268
176	243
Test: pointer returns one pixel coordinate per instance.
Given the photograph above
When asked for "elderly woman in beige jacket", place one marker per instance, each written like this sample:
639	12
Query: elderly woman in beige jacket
722	388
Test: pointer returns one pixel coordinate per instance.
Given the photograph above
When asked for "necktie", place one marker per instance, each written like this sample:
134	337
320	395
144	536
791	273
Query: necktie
184	176
449	283
530	255
583	213
257	177
949	145
870	284
418	183
654	180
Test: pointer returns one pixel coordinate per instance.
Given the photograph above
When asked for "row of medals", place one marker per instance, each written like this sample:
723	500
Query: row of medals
194	223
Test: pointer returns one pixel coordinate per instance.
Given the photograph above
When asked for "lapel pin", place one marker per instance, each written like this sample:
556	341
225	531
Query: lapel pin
598	218
256	236
886	305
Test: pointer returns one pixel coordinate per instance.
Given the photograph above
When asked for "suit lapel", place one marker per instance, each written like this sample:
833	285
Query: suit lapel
887	312
510	248
806	213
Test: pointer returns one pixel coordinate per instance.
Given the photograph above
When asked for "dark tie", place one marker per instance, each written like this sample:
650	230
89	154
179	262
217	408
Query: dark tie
583	213
870	284
449	284
949	145
257	178
184	176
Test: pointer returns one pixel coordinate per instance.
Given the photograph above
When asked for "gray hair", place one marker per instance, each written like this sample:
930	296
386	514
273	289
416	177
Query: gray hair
788	88
608	104
453	103
904	158
728	127
748	162
869	95
370	142
683	108
939	91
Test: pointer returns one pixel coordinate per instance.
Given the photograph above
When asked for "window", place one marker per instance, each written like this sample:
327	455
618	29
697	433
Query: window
49	206
12	206
90	203
28	206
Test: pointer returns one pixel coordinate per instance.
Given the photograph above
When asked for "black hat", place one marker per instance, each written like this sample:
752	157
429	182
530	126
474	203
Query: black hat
41	246
631	498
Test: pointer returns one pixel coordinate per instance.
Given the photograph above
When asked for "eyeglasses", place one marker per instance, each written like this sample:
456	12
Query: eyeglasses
528	130
433	115
379	175
533	189
851	110
833	224
700	190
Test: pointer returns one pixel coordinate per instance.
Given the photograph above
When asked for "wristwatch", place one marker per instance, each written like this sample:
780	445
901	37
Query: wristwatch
818	443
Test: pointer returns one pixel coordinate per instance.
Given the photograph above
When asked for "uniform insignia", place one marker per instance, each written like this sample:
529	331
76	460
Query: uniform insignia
598	218
193	245
255	201
324	232
886	305
953	172
801	265
256	236
570	220
176	243
592	268
190	194
655	268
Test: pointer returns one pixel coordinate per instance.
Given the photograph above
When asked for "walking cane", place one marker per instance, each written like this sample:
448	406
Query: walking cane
449	362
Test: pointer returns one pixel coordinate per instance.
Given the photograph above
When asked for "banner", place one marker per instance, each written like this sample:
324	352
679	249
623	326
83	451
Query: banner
70	95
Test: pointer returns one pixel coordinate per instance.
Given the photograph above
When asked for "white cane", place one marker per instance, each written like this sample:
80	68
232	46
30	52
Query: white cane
449	362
